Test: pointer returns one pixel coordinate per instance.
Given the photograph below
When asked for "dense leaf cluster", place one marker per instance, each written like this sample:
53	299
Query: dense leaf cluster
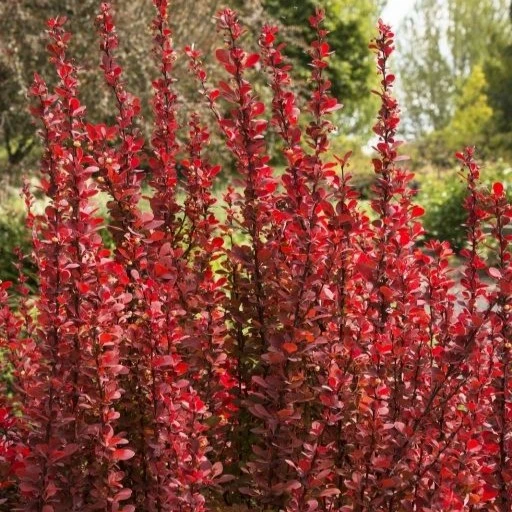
295	355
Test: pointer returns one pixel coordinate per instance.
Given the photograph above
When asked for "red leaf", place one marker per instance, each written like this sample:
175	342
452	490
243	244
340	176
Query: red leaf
74	105
290	347
390	79
388	483
217	243
214	94
259	411
122	454
387	293
252	60
123	495
494	272
181	368
82	287
216	469
489	493
417	211
160	361
324	49
258	108
498	189
106	337
474	445
161	270
223	56
331	491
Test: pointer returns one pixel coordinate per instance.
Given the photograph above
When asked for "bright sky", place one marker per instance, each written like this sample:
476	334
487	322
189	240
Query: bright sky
395	11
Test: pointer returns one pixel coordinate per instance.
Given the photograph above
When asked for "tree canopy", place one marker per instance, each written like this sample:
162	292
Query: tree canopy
453	69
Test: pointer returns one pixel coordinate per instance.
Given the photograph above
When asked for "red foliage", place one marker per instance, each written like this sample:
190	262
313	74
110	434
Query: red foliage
296	356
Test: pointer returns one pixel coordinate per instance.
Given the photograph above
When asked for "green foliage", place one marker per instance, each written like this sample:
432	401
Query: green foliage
442	198
430	151
470	121
426	81
442	42
476	31
499	76
13	235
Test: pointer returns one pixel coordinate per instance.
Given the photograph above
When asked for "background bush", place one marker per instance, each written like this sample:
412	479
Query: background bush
14	235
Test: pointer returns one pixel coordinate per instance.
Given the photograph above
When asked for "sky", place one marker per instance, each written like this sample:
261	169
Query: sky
395	11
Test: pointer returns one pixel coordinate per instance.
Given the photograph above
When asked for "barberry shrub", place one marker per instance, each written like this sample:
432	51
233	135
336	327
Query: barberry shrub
294	354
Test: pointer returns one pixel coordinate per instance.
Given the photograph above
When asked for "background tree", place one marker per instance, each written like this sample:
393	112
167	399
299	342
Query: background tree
472	113
426	80
441	43
499	77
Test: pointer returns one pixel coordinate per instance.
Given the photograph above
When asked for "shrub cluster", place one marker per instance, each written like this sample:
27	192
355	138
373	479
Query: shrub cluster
295	356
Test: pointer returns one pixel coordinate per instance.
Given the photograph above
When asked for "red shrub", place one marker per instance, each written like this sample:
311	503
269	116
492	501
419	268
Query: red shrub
296	356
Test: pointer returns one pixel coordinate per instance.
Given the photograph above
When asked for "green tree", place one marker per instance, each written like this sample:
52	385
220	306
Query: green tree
470	121
425	76
440	44
499	77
